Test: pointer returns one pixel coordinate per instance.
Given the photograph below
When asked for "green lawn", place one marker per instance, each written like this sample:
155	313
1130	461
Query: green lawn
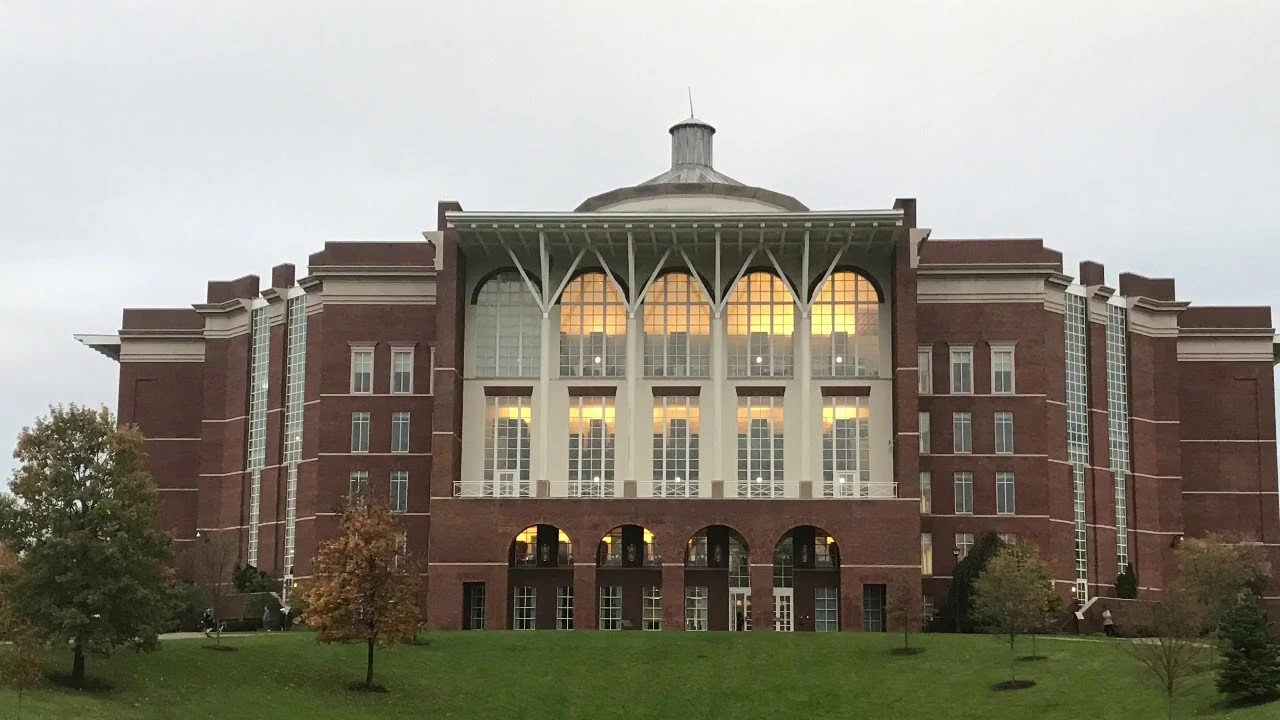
514	676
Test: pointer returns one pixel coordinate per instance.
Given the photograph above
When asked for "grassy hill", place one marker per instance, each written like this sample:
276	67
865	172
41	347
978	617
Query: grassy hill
515	676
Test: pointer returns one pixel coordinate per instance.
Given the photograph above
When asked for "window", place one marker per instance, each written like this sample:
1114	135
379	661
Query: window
1004	432
400	432
524	606
926	553
695	607
508	329
359	432
402	371
873	608
924	369
652	619
506	447
675	446
564	607
760	447
1004	493
964	543
357	484
1122	521
784	563
826	609
677	328
961	432
1118	423
611	607
473	598
593	328
294	397
362	370
925	440
1075	324
255	511
926	493
1001	370
928	608
846	327
761	322
846	449
260	352
1008	538
399	491
591	433
964	493
402	550
961	370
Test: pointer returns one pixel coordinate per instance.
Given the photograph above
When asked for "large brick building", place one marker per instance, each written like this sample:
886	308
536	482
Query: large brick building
693	403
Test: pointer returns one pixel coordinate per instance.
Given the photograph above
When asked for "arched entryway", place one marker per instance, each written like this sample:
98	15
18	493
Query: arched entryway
806	581
717	580
629	576
540	578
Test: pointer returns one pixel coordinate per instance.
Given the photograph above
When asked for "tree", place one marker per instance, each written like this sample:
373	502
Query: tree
1175	652
955	613
81	516
21	662
210	562
1127	583
1215	571
1015	596
1249	670
364	588
907	611
249	580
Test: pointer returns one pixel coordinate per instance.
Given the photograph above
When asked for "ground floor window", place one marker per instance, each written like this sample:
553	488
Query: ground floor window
928	610
826	609
611	607
695	607
522	617
564	607
653	607
873	608
473	600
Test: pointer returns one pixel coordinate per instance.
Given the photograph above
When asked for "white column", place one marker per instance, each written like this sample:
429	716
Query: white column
797	428
544	404
713	414
635	420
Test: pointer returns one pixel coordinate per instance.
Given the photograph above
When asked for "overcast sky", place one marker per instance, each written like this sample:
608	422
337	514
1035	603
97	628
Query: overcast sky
147	147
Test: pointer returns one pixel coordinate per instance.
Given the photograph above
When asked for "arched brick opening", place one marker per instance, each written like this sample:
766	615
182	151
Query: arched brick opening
717	569
629	579
806	581
540	579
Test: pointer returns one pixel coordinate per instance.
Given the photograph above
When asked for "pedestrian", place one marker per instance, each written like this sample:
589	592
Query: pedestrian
207	621
1108	624
266	618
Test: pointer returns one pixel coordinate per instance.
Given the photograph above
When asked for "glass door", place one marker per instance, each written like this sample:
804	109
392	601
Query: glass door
782	604
739	608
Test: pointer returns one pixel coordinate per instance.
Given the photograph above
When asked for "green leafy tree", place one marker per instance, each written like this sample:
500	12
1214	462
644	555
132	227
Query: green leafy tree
1215	571
1127	583
1015	596
1249	668
81	517
955	615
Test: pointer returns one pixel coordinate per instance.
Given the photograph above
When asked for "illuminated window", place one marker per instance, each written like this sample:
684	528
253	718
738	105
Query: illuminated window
926	493
652	607
961	370
1004	493
1004	432
610	607
508	329
524	608
525	550
362	370
564	607
964	543
761	321
1002	370
675	446
399	432
926	441
926	553
359	432
760	447
846	449
677	328
613	548
826	609
964	493
593	328
399	491
924	368
591	433
961	432
695	607
506	447
402	371
846	327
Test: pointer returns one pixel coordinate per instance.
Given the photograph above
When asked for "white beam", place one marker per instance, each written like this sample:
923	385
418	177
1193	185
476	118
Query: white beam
783	276
644	292
533	290
565	280
545	258
741	271
804	275
697	278
817	288
609	272
631	270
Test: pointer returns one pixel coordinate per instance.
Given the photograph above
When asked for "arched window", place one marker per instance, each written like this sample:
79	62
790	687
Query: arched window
508	328
593	328
846	327
761	323
677	329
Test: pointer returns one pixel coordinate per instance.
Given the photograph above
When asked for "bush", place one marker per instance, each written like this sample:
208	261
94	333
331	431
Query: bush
1127	583
956	613
1250	667
249	579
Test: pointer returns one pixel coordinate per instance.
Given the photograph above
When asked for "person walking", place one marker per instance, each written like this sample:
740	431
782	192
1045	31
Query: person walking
1108	624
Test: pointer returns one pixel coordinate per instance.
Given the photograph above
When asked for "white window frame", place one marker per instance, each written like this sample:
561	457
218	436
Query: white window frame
360	431
477	600
591	469
652	618
501	478
926	553
524	608
926	438
564	607
610	607
965	386
675	299
924	369
841	353
1006	501
999	448
846	461
999	348
358	370
675	476
357	484
755	463
400	429
695	607
507	326
399	484
962	433
926	493
585	296
963	483
778	356
826	609
400	353
964	544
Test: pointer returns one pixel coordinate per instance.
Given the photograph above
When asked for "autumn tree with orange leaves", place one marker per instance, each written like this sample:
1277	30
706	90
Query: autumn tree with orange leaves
365	587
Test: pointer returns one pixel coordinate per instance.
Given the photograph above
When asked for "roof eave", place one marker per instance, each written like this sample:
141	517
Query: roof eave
108	345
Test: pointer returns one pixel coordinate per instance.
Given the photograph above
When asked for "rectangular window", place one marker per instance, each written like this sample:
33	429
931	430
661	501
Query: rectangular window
924	368
961	371
564	607
1122	521
399	491
675	446
926	493
1004	493
846	449
362	370
591	436
964	493
964	543
259	379
523	609
507	330
677	328
359	432
652	607
473	599
402	371
1008	538
255	510
400	432
611	607
925	441
760	447
927	609
961	432
1004	432
695	607
506	448
294	396
1002	370
1118	422
826	609
1076	350
357	484
873	608
926	553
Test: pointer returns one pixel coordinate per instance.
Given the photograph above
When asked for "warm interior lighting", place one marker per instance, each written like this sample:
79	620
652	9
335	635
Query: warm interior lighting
843	412
511	412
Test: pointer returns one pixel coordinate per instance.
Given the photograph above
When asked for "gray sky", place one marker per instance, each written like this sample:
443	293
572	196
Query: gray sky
147	147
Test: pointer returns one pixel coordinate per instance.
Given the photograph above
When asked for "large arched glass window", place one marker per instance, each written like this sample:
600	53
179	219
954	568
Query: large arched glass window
761	323
677	329
508	328
593	328
846	327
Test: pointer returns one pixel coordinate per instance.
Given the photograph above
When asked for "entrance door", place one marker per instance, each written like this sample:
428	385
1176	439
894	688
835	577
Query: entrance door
739	608
782	605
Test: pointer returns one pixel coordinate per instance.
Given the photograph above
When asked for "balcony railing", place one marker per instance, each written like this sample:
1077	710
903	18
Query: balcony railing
808	491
